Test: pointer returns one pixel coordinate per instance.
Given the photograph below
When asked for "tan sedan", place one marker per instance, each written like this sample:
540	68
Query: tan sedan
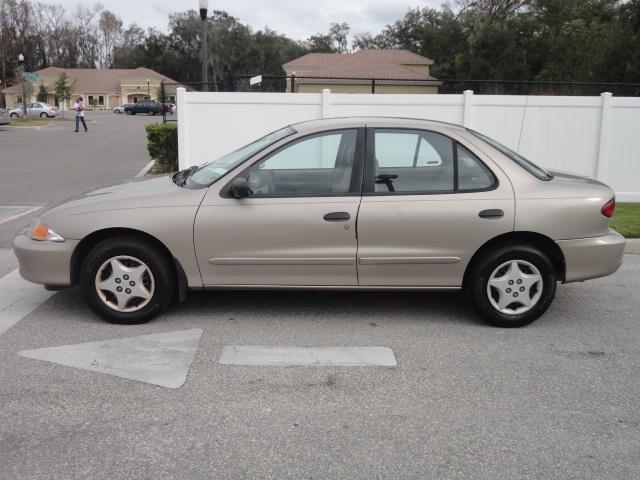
354	203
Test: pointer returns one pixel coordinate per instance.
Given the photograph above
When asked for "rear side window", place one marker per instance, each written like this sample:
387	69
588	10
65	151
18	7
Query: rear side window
412	161
417	161
472	173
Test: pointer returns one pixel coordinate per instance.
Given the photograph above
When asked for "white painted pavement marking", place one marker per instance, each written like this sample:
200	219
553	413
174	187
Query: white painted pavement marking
18	298
160	359
145	169
308	356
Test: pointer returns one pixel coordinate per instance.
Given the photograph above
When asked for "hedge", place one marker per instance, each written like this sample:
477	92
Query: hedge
162	142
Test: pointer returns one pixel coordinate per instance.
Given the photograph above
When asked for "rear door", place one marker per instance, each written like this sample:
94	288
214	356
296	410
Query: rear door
298	225
429	203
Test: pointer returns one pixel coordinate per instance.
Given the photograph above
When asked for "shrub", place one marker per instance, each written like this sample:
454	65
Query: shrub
162	142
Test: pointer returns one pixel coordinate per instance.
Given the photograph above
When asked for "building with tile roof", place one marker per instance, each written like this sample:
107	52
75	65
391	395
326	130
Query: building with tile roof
100	89
394	71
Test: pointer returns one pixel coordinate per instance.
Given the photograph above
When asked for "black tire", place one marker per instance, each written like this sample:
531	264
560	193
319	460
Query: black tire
478	278
14	115
154	257
44	115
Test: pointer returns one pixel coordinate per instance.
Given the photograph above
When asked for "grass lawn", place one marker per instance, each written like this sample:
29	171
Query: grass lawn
626	220
28	122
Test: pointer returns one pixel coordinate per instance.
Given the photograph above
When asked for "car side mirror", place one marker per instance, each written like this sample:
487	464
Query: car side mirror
240	188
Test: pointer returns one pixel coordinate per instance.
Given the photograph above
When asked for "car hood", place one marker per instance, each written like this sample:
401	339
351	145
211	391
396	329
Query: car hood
158	192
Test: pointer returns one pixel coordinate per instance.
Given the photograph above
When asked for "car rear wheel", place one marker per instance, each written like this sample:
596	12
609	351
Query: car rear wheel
127	281
44	115
512	285
14	115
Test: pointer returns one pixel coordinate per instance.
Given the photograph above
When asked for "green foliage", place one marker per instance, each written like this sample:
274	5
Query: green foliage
43	94
577	40
162	143
62	90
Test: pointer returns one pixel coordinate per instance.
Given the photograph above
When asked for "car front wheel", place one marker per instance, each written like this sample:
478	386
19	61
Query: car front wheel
512	285
14	115
127	281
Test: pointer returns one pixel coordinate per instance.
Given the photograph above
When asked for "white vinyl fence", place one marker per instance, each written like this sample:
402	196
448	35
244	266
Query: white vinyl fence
594	136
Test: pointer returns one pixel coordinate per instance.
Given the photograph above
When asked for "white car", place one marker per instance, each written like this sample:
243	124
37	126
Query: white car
37	109
119	108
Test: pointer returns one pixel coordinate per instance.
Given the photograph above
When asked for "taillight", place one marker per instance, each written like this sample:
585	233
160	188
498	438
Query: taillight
609	208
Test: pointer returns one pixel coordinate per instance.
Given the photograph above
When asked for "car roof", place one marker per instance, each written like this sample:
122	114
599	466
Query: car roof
391	122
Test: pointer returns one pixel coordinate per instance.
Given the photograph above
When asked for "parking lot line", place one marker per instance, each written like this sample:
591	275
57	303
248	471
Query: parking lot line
308	356
18	298
145	169
11	212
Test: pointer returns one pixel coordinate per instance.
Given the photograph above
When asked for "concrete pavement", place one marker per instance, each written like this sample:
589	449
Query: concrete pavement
557	399
45	166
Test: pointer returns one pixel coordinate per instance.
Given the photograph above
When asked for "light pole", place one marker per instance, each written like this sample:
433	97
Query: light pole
24	84
204	5
148	91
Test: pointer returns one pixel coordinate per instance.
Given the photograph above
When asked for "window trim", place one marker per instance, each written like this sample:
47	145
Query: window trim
369	185
357	170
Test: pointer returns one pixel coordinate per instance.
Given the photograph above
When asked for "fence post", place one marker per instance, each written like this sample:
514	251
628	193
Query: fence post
467	109
183	147
603	146
293	83
373	85
326	103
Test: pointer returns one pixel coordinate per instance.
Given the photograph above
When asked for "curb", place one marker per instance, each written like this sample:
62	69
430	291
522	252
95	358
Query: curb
632	246
145	169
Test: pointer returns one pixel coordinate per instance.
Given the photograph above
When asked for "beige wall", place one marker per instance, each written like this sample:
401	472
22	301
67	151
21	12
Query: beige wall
423	69
365	88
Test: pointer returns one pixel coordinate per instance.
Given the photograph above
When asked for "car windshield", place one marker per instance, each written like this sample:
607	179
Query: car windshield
212	171
528	165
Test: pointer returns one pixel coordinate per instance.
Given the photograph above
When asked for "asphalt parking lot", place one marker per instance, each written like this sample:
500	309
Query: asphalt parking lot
81	398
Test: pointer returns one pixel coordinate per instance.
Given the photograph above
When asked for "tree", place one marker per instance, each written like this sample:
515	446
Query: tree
62	90
338	32
43	94
110	32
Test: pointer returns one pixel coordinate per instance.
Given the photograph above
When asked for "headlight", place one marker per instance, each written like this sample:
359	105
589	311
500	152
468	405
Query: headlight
40	232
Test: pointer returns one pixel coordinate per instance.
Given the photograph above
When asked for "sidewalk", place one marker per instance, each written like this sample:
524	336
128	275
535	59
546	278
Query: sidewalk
633	246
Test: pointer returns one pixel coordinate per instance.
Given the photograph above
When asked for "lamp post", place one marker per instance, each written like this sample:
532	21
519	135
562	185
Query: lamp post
24	84
148	91
204	5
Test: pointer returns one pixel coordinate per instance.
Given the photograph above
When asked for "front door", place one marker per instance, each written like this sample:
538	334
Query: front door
429	203
298	226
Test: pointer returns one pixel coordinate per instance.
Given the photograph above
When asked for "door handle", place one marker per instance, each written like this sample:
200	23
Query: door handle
337	217
491	213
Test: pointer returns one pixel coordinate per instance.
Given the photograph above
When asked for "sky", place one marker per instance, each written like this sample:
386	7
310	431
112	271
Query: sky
297	19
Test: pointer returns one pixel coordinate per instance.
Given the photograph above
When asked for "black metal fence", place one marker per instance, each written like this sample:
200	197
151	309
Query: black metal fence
302	84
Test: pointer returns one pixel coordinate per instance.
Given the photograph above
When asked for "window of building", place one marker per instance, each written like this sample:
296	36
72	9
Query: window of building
101	100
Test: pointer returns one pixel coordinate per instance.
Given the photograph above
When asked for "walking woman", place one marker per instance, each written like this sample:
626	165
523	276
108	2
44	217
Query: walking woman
79	108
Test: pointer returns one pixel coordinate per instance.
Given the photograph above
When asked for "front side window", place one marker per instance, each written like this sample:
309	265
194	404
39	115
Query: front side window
412	161
320	164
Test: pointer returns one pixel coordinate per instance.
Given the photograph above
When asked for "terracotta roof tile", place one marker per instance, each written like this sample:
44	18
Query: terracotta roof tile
379	64
88	80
